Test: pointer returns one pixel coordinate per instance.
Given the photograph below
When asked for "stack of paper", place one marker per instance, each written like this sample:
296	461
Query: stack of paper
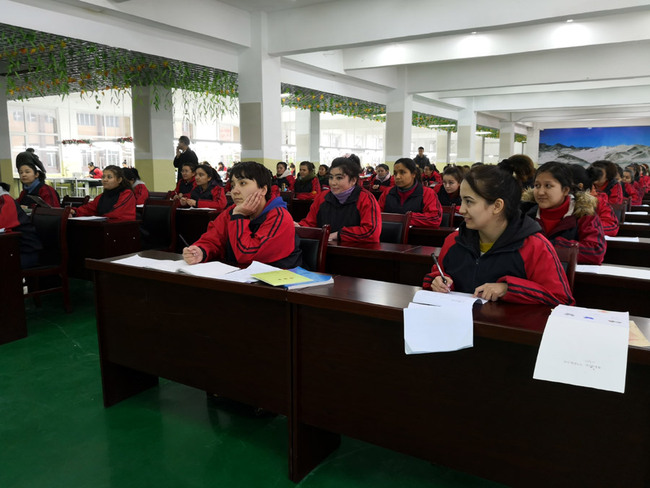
584	347
294	278
438	322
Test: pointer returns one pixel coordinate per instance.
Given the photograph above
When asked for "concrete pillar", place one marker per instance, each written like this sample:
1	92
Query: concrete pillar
466	140
442	147
532	143
6	163
506	140
308	136
153	141
259	98
399	119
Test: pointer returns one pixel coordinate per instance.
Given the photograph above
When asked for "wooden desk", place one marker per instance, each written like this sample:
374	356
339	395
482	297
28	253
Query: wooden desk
634	229
478	410
640	208
629	253
12	302
228	338
99	239
429	237
192	224
633	218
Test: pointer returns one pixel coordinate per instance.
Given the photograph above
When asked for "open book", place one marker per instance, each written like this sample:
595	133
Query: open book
212	269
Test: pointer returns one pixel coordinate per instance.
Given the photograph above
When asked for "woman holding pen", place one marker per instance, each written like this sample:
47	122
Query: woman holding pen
498	253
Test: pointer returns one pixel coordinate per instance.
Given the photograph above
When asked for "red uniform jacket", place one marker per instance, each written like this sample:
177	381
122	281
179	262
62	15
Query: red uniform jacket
141	193
300	187
46	192
613	190
124	209
607	216
214	197
96	173
185	188
358	219
424	205
273	241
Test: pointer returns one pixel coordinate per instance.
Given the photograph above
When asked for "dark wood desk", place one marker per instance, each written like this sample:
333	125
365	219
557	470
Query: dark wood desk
99	239
192	224
429	237
629	253
228	338
634	229
640	208
633	218
478	410
12	302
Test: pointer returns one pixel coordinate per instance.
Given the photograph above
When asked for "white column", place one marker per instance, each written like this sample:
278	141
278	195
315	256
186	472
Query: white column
308	136
259	98
153	141
466	140
442	147
399	119
532	143
6	164
506	140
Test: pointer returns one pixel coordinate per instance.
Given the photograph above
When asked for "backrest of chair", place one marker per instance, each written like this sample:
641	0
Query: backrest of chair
627	201
159	224
313	243
74	202
160	195
51	226
619	211
569	258
448	212
395	227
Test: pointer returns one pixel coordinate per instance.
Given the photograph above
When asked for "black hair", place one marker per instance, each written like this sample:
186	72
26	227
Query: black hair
214	176
355	158
409	164
119	173
491	183
283	164
382	165
191	164
324	166
561	172
129	174
582	177
348	166
608	167
455	172
257	172
310	166
420	148
594	173
5	186
521	165
185	140
28	157
30	163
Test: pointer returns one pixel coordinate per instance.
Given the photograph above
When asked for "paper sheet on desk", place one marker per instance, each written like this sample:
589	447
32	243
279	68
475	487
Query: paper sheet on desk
212	269
622	239
584	347
244	275
90	217
612	270
439	322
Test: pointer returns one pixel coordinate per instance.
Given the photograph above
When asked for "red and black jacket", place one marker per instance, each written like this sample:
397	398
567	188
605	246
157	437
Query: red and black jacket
521	257
422	202
613	190
46	192
306	189
269	238
608	218
212	197
358	219
13	218
141	193
631	191
117	205
184	188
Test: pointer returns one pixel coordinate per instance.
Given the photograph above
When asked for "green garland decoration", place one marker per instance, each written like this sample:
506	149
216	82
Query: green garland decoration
318	101
427	120
38	64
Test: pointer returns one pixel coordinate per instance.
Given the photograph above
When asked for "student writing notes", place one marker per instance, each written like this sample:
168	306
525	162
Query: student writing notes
498	253
352	212
256	228
116	202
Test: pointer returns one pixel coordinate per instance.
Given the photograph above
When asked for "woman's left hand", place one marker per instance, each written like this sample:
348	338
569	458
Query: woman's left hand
491	291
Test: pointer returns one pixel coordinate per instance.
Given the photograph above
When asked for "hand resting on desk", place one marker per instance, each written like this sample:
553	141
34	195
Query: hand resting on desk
491	291
192	254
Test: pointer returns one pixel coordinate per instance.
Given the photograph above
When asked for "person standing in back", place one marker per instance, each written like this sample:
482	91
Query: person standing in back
184	155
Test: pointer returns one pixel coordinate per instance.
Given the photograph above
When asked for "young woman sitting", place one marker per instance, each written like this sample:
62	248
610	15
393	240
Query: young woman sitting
498	253
116	202
33	180
307	185
187	183
137	185
208	192
409	194
449	194
283	179
383	181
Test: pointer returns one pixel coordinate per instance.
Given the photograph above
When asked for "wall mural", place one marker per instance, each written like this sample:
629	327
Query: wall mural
621	145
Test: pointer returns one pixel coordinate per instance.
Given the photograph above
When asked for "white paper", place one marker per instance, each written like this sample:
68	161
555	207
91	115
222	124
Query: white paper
613	270
622	239
158	264
90	217
428	297
212	269
244	275
432	328
584	347
205	209
640	212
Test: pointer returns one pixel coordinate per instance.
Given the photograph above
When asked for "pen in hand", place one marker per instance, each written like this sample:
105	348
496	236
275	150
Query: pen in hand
184	241
435	260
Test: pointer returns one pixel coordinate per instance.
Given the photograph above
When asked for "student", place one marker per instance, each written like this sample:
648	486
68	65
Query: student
117	202
644	178
630	190
521	167
608	184
383	181
256	228
430	175
584	179
33	180
283	177
449	195
137	185
94	172
306	187
187	183
207	193
352	212
409	194
565	214
13	218
324	177
498	253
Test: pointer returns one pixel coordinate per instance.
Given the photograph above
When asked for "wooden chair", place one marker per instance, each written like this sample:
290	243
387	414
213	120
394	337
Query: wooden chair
395	227
569	258
74	202
313	243
158	229
51	226
160	195
619	210
627	201
448	213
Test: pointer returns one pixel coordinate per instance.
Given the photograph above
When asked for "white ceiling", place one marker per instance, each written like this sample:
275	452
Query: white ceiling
518	61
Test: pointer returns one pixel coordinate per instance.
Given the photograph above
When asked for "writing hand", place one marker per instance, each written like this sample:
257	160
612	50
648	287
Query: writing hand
439	286
192	254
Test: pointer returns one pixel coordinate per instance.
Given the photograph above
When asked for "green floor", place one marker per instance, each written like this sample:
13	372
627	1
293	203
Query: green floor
55	432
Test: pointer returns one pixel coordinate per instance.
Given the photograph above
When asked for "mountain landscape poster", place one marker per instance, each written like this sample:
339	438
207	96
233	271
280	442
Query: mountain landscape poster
620	145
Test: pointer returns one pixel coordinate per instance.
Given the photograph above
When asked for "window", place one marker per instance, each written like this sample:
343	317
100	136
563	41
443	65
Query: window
86	119
18	116
111	121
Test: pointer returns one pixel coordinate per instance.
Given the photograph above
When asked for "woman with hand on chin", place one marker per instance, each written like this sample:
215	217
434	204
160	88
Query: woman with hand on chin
207	193
255	228
498	253
352	212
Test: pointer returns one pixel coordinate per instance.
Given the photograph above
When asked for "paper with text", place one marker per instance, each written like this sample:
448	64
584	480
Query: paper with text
584	347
